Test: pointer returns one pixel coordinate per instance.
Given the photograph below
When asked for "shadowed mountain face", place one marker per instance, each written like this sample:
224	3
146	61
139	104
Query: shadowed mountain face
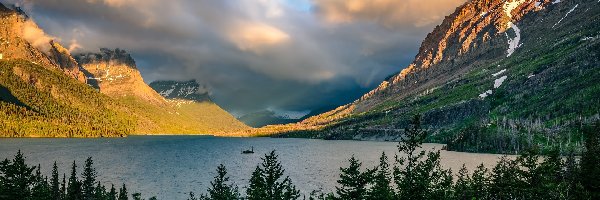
185	90
508	74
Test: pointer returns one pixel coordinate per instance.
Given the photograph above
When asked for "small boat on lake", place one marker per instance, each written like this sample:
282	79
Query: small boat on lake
248	151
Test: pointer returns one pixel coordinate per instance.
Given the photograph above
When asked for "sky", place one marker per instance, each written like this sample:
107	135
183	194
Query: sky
252	55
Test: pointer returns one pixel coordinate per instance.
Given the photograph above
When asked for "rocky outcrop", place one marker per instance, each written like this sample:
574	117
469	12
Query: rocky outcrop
21	38
185	90
115	73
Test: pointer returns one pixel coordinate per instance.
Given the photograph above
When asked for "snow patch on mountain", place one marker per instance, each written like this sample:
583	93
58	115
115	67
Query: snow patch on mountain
498	82
513	43
572	9
498	73
485	94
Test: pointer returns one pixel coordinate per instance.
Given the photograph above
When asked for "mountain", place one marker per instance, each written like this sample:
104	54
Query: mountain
46	92
42	91
266	117
495	76
21	38
115	73
189	90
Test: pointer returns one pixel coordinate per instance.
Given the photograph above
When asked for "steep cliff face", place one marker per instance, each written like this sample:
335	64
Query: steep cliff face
115	73
517	69
21	38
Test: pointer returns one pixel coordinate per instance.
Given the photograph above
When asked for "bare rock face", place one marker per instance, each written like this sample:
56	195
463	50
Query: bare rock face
115	73
21	38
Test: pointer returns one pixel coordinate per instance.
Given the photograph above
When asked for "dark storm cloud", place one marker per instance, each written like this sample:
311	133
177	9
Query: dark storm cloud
252	54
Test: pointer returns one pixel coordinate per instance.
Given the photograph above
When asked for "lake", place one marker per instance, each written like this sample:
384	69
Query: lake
169	167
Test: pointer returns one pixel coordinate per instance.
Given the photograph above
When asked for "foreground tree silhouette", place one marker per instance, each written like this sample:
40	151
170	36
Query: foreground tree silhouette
74	185
220	190
418	174
353	182
89	179
265	183
16	177
55	183
382	188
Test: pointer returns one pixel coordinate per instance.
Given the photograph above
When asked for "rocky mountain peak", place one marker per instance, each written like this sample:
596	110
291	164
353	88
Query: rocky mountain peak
188	90
115	73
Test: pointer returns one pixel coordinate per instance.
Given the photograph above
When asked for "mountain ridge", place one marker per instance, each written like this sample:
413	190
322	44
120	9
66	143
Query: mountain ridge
487	57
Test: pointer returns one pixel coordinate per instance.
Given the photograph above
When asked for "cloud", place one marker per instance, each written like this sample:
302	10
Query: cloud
389	13
36	36
252	54
255	36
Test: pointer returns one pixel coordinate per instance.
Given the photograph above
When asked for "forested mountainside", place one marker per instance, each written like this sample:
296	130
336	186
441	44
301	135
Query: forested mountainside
495	76
46	92
115	73
42	93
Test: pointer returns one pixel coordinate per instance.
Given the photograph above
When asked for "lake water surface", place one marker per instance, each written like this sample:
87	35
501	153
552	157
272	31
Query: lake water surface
169	167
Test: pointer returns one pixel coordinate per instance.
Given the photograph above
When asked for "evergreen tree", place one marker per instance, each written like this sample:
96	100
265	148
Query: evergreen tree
353	182
63	187
40	189
506	181
74	186
574	188
100	192
123	193
55	183
220	190
480	181
418	175
590	159
17	178
257	188
89	179
462	188
382	188
265	182
136	196
112	195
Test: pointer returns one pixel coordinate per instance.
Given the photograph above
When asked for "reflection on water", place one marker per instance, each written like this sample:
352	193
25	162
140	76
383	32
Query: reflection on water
171	166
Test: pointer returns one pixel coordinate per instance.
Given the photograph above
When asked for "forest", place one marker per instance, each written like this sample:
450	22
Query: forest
417	174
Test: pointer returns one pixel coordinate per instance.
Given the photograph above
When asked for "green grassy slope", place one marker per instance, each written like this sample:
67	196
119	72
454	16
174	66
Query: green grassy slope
38	102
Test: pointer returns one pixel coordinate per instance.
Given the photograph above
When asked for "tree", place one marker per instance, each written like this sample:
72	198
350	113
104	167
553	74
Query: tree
353	182
123	193
136	196
590	169
418	175
89	179
220	190
40	189
55	183
382	188
480	181
74	186
17	178
462	188
265	183
100	192
112	195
